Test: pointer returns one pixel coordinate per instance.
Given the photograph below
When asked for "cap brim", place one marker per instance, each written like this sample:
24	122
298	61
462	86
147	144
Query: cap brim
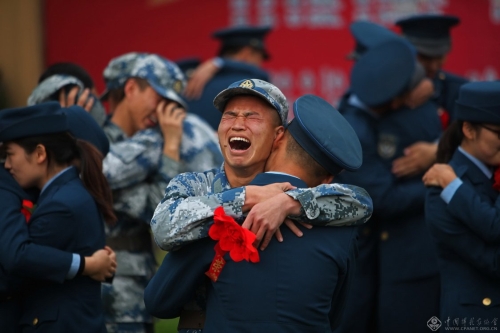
224	96
169	94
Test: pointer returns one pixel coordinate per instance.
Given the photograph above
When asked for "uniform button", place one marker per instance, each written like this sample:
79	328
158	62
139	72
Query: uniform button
366	231
487	301
35	321
442	76
384	236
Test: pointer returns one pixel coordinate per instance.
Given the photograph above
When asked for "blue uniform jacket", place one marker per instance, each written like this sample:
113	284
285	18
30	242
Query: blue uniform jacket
66	218
396	236
250	297
446	88
231	72
469	262
19	256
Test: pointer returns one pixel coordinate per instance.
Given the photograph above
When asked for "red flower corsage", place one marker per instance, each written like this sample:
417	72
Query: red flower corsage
496	178
232	239
27	209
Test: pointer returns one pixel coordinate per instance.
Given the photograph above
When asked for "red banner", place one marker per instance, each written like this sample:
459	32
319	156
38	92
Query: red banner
308	45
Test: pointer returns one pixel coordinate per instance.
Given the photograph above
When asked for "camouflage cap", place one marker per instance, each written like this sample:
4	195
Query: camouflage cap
163	75
265	90
47	91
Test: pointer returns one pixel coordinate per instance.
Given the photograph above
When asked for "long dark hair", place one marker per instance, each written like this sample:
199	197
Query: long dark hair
64	149
451	140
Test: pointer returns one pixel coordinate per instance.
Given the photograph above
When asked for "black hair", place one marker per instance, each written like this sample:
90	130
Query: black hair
68	68
451	140
64	149
299	156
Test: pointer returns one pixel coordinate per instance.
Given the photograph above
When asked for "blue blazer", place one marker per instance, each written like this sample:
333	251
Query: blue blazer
406	250
256	297
19	257
231	72
66	218
469	260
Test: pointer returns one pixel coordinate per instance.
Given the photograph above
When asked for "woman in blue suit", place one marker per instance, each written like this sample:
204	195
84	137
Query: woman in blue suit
460	209
74	202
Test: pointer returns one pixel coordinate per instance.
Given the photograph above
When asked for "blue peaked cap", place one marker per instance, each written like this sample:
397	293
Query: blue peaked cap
325	135
479	102
384	72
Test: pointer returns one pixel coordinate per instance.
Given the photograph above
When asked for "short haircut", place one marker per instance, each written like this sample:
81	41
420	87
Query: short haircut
118	94
68	68
299	156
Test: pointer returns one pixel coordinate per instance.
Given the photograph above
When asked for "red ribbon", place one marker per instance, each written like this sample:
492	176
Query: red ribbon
27	209
232	239
496	178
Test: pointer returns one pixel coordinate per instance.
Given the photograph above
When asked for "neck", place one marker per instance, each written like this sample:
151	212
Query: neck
122	119
292	169
51	173
241	177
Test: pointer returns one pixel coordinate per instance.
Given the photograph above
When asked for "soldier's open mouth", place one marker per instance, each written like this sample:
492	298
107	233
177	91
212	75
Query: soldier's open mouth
239	143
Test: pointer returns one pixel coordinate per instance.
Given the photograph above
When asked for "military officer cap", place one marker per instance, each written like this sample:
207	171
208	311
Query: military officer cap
384	72
325	135
479	102
244	36
164	76
188	65
367	35
429	33
49	118
255	87
45	118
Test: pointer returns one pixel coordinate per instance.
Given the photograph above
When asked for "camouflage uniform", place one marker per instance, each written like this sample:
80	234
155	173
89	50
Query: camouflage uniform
185	213
138	173
47	89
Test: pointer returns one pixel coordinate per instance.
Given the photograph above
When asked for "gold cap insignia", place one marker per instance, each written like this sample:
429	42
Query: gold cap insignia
247	84
178	86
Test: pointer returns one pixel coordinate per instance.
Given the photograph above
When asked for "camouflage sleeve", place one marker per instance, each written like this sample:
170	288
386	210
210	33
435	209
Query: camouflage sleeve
131	161
333	205
184	213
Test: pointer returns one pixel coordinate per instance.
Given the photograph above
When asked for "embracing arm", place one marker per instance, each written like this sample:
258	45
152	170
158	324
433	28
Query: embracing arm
20	256
184	213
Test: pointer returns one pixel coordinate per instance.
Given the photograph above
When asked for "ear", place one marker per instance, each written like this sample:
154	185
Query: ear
130	87
279	137
40	154
327	180
469	131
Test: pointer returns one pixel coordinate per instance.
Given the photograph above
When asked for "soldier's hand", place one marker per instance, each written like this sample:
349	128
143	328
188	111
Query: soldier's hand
439	175
292	225
84	100
101	265
265	218
418	158
420	94
255	194
171	118
201	75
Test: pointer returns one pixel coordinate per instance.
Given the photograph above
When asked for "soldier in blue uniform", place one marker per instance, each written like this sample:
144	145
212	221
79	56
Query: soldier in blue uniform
143	91
67	216
419	156
396	286
293	288
240	56
430	34
462	207
21	258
